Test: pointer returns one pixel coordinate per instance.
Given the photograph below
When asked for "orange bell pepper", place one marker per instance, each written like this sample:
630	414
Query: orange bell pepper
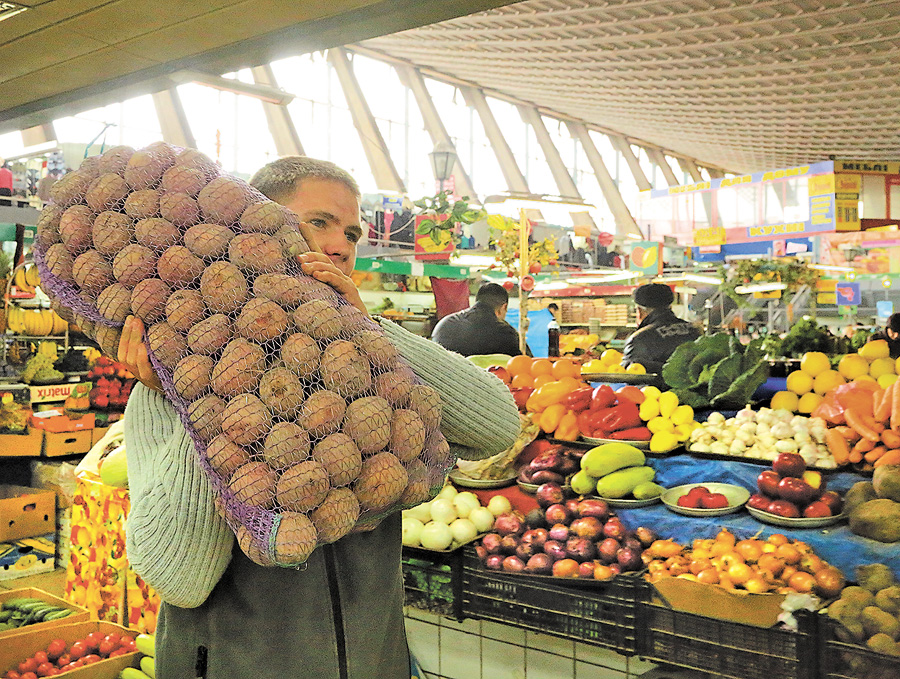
550	393
568	427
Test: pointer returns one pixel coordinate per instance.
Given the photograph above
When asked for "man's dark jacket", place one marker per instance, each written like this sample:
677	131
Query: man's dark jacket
476	330
656	338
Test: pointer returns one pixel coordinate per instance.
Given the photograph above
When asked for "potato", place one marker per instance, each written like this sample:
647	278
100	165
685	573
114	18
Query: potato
239	369
224	287
92	271
407	435
179	208
75	228
426	402
133	264
205	415
381	482
261	320
257	552
265	217
318	319
877	520
286	444
282	392
291	240
340	457
70	188
336	515
167	344
225	456
114	159
111	232
114	303
377	348
418	488
886	482
287	291
208	240
302	487
192	158
876	621
191	376
156	233
145	168
142	204
210	335
148	300
344	370
184	309
295	539
254	484
859	492
875	577
107	338
368	423
246	419
322	413
106	192
184	179
178	266
888	600
395	386
301	354
257	253
223	200
48	225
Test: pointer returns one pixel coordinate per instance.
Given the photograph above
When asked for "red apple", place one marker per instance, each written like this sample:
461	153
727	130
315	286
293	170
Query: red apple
783	508
689	501
697	491
789	464
759	501
816	481
500	372
833	500
795	490
767	482
714	501
817	509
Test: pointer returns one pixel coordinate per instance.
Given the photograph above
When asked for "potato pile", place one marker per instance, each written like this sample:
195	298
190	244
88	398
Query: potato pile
874	507
869	613
304	415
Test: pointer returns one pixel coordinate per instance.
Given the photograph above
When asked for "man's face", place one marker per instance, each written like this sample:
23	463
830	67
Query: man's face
333	211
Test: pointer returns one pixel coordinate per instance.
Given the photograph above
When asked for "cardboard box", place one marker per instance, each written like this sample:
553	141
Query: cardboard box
26	512
16	445
28	556
67	443
98	433
711	601
78	614
59	422
25	644
53	393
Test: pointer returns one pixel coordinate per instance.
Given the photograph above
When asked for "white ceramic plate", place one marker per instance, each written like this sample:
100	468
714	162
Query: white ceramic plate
630	503
802	522
641	445
531	488
737	498
620	378
464	481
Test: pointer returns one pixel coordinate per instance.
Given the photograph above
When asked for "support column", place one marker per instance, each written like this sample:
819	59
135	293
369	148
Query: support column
412	78
173	120
281	127
625	223
40	134
691	168
386	176
714	173
658	157
621	144
564	182
515	180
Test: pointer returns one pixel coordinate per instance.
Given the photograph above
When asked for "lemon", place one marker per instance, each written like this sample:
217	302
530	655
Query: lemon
808	403
827	381
636	369
799	382
886	380
661	424
663	441
875	349
881	366
852	366
611	356
649	409
682	415
814	363
651	392
865	378
787	400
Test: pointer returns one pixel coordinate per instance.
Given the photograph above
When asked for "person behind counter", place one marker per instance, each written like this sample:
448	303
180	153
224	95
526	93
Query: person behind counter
480	329
659	331
891	333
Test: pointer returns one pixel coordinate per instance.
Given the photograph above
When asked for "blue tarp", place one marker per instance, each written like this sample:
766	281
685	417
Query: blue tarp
836	544
537	329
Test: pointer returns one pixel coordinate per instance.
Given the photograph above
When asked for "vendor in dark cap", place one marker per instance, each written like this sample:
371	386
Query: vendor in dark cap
659	331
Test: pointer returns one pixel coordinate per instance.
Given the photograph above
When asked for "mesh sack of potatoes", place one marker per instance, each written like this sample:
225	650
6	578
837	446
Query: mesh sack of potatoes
303	415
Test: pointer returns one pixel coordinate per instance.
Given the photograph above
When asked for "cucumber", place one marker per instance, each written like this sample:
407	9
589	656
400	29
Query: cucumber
647	490
5	615
148	666
605	459
62	613
623	482
146	644
132	673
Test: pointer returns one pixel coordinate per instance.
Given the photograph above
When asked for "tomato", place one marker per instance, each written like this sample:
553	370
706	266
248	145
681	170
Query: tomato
29	665
28	675
114	638
63	660
92	641
12	674
91	659
56	648
106	647
45	669
123	650
41	657
78	650
129	643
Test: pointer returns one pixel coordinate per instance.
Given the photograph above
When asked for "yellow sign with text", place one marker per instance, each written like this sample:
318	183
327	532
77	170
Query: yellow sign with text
706	237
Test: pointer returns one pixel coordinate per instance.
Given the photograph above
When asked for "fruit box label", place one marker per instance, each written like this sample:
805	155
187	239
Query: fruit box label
27	556
55	392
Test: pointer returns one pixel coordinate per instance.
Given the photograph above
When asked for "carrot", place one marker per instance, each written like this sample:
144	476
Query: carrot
890	438
875	453
877	398
891	457
855	456
883	409
895	410
838	446
848	433
856	421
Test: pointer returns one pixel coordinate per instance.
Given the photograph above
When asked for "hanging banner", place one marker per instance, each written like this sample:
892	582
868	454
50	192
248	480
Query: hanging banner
646	258
847	188
848	294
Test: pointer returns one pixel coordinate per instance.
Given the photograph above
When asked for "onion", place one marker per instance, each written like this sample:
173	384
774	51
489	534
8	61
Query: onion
465	503
463	530
482	519
436	535
412	531
448	492
421	512
443	510
499	504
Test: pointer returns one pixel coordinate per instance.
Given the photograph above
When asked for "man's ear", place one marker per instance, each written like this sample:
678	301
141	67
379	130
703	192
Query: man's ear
501	310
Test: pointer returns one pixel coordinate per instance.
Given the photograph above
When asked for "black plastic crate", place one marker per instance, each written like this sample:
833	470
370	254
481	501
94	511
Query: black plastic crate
433	581
601	613
725	648
841	660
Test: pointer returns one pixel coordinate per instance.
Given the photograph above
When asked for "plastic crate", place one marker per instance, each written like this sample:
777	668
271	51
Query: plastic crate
840	660
603	614
725	648
433	581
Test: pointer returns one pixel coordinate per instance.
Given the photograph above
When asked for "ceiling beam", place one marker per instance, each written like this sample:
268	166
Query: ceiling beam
281	125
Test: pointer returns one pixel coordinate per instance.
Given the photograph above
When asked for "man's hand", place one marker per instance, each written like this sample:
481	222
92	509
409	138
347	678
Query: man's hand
133	353
321	268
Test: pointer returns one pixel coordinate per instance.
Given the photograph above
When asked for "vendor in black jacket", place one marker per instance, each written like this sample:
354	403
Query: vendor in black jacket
659	331
480	329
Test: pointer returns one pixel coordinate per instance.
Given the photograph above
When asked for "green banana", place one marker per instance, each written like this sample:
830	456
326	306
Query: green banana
132	673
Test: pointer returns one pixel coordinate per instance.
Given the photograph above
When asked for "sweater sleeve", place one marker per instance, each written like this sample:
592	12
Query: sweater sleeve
174	537
479	417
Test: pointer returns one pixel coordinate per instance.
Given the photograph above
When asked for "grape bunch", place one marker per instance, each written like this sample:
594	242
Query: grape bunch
40	369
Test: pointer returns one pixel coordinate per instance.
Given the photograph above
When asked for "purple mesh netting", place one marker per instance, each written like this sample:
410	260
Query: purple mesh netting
304	417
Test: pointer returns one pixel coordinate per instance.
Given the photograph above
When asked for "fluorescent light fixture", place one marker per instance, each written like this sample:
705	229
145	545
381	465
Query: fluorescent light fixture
508	204
828	267
551	285
700	278
587	280
634	236
475	261
761	287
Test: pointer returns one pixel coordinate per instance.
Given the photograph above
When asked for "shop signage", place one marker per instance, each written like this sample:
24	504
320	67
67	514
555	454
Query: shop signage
646	258
884	308
848	294
866	168
709	237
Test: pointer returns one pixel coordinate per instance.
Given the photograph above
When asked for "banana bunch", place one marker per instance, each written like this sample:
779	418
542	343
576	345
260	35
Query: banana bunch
29	611
35	322
92	354
27	278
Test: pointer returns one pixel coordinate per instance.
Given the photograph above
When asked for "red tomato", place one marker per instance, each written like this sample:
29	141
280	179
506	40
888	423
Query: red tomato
63	660
78	650
55	649
12	674
28	675
128	643
106	647
119	651
41	657
114	638
27	666
45	669
92	641
632	393
91	659
67	667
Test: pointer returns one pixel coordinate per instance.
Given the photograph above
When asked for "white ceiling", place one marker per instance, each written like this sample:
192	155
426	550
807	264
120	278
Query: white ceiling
743	85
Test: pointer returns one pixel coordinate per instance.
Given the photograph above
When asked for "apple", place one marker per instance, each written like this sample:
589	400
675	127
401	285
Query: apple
500	372
783	508
833	500
759	501
816	481
698	491
789	464
767	482
795	490
714	501
689	501
817	509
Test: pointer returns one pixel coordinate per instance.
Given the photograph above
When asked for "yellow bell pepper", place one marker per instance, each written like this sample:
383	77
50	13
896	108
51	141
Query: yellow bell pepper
668	401
568	427
550	393
682	415
551	417
649	409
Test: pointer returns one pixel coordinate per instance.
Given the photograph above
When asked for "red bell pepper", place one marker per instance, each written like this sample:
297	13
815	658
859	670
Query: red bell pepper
623	416
589	421
578	400
636	434
603	397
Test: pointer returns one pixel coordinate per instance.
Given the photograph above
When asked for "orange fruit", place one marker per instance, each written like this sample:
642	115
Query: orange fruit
519	365
789	554
541	380
827	381
565	368
522	380
541	366
852	366
777	539
814	362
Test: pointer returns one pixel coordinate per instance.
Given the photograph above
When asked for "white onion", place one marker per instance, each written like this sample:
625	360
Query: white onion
443	510
465	503
463	530
448	492
412	531
499	504
436	535
482	518
421	512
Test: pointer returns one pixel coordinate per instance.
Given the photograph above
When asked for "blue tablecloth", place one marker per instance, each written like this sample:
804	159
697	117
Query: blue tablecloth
836	544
